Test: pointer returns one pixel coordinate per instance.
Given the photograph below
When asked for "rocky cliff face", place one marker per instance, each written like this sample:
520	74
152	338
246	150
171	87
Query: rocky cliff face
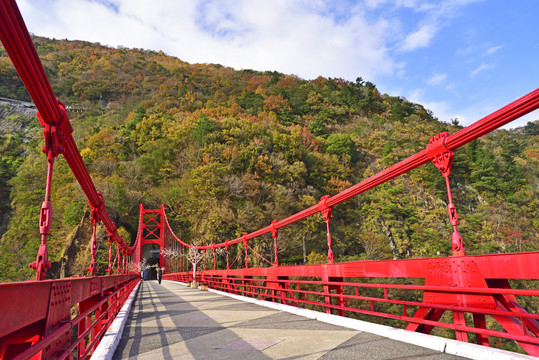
17	116
17	119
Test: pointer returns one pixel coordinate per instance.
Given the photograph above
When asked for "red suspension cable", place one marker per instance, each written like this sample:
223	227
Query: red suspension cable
57	129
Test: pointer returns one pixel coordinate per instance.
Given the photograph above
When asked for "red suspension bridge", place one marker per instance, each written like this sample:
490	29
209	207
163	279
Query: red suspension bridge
472	289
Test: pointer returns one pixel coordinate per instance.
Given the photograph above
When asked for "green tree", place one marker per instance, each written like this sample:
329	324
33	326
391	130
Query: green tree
343	146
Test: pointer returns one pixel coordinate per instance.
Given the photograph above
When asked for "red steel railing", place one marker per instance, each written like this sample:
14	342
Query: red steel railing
389	289
61	319
464	294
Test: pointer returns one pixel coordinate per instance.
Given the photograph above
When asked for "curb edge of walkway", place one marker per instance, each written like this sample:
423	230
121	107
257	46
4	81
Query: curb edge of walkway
108	344
447	346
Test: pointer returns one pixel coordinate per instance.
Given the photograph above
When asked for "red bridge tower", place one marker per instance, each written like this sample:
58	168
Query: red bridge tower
151	238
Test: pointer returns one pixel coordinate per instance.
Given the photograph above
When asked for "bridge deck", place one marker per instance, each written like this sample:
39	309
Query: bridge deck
171	321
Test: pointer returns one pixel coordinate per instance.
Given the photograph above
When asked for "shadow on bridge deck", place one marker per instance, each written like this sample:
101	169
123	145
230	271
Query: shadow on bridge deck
171	321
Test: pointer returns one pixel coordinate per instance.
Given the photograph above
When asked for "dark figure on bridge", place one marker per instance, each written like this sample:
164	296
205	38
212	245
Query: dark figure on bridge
159	274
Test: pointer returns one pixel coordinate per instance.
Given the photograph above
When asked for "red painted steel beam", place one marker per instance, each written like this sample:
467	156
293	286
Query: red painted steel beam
110	288
25	303
22	304
492	266
523	265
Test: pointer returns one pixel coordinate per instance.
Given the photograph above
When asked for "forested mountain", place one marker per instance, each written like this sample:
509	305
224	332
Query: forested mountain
229	151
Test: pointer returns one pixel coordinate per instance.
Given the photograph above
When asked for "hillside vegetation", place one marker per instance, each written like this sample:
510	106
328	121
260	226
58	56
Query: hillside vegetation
229	151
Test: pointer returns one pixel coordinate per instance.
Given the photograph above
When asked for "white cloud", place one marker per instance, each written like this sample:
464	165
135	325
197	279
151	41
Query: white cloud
419	38
452	86
522	121
489	106
373	4
440	109
465	51
302	38
468	115
401	73
306	38
436	79
481	68
436	16
494	49
446	111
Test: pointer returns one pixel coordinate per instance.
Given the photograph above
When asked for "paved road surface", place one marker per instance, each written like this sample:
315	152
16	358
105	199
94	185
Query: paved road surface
171	321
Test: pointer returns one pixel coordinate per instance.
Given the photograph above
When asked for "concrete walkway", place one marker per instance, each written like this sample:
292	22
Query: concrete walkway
171	321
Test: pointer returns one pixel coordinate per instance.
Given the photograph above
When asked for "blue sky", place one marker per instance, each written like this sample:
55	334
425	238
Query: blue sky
459	58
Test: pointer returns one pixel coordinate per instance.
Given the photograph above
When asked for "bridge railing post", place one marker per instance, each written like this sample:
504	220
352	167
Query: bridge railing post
214	256
176	259
109	268
246	245
183	260
274	234
226	248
